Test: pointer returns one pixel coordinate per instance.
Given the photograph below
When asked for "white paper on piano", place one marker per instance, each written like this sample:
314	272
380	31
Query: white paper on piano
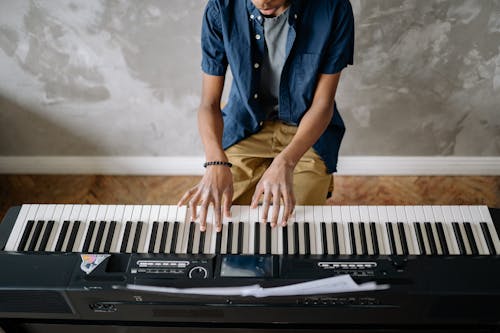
331	285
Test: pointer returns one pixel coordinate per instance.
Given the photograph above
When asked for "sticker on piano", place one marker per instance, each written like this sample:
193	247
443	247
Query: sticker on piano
91	261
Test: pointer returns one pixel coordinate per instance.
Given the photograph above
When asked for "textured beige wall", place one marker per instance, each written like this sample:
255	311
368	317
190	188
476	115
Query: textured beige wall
123	78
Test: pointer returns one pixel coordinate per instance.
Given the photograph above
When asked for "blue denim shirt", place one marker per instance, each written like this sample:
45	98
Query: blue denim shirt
320	40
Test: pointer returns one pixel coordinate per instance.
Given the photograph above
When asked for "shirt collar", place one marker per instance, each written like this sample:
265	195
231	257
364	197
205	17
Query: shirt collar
255	15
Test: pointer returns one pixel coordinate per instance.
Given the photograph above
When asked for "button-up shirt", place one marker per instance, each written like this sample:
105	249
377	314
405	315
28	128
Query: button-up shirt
320	40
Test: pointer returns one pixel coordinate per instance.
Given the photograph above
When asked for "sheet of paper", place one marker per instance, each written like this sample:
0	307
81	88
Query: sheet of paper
331	285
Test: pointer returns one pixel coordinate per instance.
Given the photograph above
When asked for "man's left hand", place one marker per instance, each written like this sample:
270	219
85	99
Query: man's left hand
276	187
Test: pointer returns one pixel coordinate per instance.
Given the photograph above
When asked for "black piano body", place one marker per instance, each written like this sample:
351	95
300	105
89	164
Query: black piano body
49	292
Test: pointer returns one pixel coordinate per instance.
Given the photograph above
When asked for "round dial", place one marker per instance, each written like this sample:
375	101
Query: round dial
198	272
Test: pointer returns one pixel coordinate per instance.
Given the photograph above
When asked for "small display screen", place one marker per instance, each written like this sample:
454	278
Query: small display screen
247	266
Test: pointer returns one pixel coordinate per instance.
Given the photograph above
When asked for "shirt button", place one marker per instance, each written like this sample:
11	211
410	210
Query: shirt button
259	18
261	123
252	17
295	16
257	36
255	96
256	65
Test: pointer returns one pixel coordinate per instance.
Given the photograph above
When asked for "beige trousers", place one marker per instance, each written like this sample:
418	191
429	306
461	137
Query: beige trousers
253	155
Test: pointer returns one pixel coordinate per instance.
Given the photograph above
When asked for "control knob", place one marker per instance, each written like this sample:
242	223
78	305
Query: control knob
198	272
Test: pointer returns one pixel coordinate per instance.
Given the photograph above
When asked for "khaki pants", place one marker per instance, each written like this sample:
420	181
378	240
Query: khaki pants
253	155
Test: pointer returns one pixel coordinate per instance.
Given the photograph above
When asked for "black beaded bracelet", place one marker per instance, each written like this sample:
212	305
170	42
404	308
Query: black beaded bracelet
228	164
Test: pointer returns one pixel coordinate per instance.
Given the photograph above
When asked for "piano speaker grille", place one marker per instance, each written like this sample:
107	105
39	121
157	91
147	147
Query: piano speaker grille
33	301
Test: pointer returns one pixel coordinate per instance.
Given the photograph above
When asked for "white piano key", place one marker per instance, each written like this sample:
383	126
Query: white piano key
75	212
429	216
223	247
411	219
301	238
279	230
184	226
100	217
110	212
245	218
309	217
18	228
401	217
196	238
421	219
83	218
356	218
383	218
442	214
393	219
274	235
236	217
476	219
318	218
213	239
345	219
290	235
153	216
337	217
486	217
119	218
254	217
373	217
60	214
47	215
327	216
92	212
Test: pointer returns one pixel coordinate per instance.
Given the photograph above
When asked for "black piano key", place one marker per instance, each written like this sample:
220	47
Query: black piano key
126	234
46	235
430	238
240	238
152	239
88	238
459	238
442	238
72	236
323	238
163	240
62	236
487	237
109	236
402	236
373	233
175	234
218	240
362	234
352	237
256	238
137	237
192	226
420	238
296	238
36	235
470	237
268	238
335	233
392	241
229	245
201	244
26	235
99	236
285	239
307	239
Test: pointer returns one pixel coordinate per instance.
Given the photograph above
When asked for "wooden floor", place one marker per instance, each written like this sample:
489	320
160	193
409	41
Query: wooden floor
19	189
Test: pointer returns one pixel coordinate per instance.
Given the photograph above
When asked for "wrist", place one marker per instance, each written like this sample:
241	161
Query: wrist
285	161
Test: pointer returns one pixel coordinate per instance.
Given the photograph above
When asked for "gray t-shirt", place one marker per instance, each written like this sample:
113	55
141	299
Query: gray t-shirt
275	35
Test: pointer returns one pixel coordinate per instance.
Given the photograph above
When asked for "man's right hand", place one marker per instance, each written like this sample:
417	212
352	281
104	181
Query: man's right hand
216	187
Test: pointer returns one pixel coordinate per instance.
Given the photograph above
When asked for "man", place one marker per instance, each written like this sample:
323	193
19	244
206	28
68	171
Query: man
277	138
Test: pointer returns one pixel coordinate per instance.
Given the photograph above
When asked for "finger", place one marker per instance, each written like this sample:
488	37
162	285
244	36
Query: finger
193	204
256	196
218	214
287	210
203	214
228	197
265	205
186	196
276	208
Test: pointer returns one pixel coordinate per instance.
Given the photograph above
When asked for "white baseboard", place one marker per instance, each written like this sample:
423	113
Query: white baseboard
192	165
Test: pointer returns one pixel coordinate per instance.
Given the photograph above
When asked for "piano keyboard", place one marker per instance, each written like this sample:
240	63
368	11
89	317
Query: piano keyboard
313	230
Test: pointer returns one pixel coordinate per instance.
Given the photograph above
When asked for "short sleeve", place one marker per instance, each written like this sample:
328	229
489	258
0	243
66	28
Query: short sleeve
340	49
214	60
